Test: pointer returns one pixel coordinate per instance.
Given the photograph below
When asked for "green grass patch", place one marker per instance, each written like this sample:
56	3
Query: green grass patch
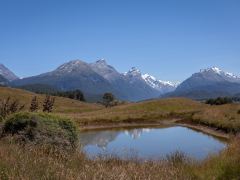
40	128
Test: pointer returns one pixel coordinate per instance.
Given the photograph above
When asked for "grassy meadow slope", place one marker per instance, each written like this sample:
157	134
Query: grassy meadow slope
224	117
62	105
142	111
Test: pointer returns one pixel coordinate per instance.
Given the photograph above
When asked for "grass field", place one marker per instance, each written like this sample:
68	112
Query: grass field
140	112
224	117
33	162
40	161
62	105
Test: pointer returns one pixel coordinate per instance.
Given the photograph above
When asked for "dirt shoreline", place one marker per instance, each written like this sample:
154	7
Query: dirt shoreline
158	124
207	130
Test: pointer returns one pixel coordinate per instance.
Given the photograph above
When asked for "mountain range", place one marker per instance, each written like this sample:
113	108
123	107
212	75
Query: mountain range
96	78
208	83
99	77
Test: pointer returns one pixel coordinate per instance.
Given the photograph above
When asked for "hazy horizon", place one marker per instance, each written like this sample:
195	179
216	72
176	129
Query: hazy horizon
169	40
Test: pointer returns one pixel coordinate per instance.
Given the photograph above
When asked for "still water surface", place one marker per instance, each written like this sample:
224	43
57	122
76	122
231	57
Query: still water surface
150	143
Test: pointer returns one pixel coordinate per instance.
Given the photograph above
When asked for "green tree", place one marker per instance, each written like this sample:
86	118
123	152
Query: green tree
108	99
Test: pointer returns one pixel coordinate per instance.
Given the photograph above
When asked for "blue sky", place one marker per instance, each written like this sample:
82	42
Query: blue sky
170	39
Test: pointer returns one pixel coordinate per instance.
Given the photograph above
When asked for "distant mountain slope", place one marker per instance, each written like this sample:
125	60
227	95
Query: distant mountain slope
138	84
3	81
47	89
130	86
108	72
208	83
39	88
7	74
69	76
97	78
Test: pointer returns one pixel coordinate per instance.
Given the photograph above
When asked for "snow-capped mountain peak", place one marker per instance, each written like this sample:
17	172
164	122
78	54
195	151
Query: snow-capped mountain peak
212	69
216	70
163	86
134	71
71	66
148	77
220	72
159	85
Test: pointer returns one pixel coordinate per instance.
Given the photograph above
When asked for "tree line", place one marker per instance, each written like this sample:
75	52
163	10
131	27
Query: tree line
76	94
46	89
219	101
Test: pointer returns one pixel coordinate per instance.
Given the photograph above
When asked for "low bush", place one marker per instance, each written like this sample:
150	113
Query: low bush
40	128
219	101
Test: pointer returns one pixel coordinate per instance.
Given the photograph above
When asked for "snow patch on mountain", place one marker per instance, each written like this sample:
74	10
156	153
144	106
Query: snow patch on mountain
6	73
159	85
154	81
70	66
220	72
133	72
162	86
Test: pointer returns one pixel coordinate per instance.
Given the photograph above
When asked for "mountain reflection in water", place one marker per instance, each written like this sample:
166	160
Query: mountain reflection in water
101	139
150	142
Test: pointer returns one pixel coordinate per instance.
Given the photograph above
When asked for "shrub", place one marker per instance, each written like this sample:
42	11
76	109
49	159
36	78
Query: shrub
239	111
219	101
17	124
70	129
108	99
41	128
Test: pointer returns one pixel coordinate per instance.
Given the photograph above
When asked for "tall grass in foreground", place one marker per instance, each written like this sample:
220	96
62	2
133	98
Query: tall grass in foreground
35	162
224	166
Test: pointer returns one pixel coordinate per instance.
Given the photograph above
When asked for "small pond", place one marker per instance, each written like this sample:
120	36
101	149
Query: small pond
150	143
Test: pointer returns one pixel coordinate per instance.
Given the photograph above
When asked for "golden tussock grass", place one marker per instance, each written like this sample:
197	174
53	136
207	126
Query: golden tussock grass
62	105
39	162
224	117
